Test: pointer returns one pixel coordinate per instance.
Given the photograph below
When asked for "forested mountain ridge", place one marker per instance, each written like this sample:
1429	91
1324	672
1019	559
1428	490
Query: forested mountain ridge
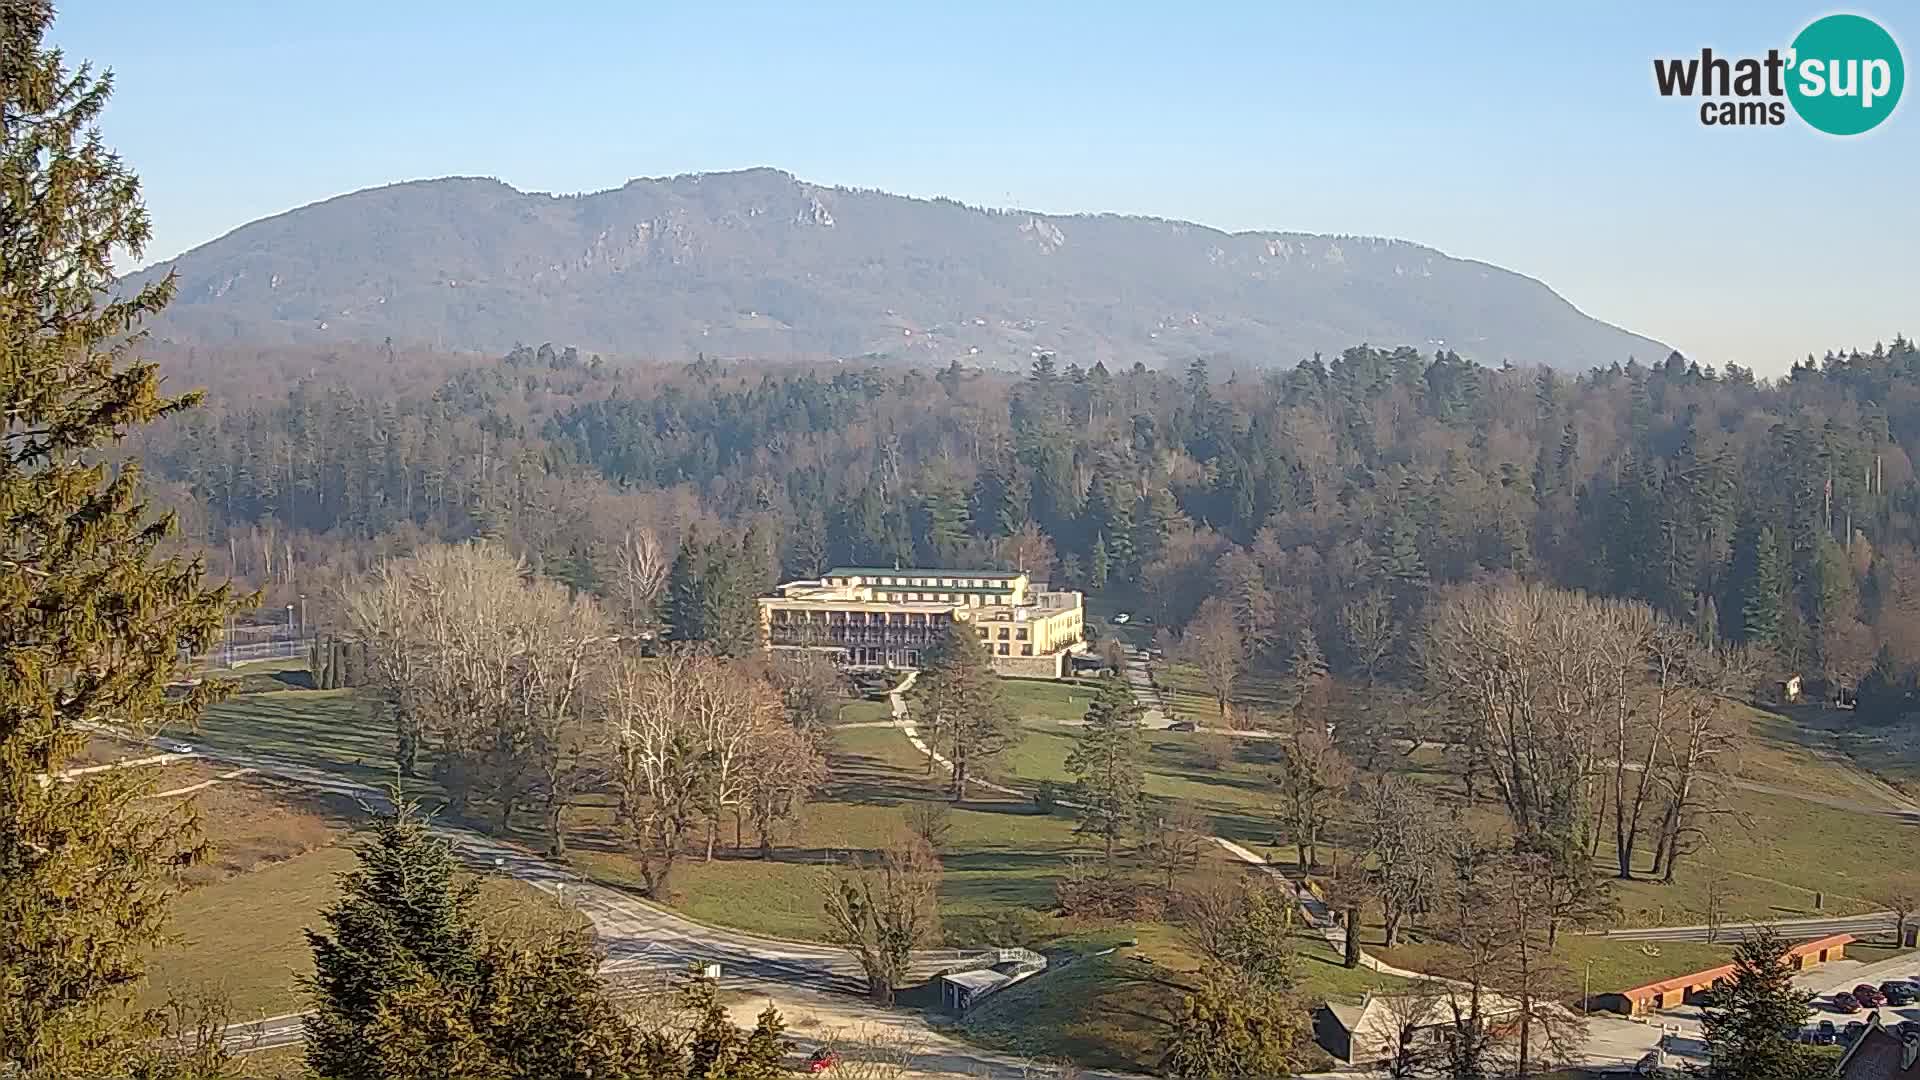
1782	513
757	263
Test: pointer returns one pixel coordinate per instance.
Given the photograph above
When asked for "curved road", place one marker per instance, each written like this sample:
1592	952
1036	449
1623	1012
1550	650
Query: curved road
638	937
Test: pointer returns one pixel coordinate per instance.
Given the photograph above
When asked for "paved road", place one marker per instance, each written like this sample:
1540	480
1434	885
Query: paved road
1797	929
638	937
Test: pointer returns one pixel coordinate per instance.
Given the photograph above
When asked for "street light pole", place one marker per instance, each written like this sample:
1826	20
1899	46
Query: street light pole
289	623
303	616
1586	995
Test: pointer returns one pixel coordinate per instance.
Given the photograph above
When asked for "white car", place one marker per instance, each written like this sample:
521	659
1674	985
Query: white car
1122	619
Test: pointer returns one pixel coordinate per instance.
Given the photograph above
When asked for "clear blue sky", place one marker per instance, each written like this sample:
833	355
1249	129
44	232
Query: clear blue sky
1521	134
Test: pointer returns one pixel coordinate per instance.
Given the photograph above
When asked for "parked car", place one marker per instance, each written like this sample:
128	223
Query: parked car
1897	993
1183	725
821	1060
1866	995
1823	1035
1122	619
1844	1002
1851	1033
1907	1029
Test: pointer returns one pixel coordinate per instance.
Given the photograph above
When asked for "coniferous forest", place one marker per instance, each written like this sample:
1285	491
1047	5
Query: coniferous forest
1780	512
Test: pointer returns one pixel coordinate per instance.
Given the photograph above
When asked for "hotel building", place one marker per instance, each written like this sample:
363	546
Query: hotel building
877	618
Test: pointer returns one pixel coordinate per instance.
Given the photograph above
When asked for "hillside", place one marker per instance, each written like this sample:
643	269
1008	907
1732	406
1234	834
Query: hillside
759	263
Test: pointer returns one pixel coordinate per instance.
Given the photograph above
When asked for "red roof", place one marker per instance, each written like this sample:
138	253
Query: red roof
1702	978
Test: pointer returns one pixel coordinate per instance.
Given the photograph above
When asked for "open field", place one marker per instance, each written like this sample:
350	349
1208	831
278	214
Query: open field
239	926
1003	858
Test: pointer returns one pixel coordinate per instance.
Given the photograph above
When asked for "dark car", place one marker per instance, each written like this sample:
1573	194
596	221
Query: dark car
1897	993
1823	1035
1183	725
1907	1029
1844	1002
1851	1033
1866	995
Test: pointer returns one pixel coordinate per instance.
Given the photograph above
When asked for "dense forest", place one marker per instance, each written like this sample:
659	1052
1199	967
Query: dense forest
1780	512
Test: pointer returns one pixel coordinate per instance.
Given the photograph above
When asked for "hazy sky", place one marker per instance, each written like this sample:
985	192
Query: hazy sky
1520	134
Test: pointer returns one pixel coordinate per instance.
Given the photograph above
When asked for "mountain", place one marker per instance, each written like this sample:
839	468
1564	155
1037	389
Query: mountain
759	263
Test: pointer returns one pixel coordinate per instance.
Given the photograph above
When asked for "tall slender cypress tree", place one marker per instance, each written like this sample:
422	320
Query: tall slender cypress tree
92	622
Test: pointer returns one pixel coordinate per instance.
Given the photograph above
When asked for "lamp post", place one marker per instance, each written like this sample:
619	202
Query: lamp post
1586	994
303	616
289	623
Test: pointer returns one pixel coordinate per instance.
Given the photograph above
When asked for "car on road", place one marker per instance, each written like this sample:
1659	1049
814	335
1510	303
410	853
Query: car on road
1866	995
1183	725
1844	1002
1897	992
1122	619
1823	1035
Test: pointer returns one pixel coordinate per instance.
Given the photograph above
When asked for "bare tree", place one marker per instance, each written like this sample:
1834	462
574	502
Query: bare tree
1370	630
1313	775
657	755
1212	643
1902	899
1716	907
1242	922
930	821
638	575
1400	830
880	913
1171	840
784	769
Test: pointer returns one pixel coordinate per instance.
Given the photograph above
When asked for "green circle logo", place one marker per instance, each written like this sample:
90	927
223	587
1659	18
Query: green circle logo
1846	74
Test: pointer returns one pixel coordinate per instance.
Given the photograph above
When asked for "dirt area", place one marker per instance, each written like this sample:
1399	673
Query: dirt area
251	823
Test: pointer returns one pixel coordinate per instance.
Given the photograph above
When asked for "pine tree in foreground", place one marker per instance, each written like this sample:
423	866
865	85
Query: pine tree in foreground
1752	1026
1105	764
92	622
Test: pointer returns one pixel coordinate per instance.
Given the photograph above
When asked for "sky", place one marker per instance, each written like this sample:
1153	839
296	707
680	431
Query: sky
1527	135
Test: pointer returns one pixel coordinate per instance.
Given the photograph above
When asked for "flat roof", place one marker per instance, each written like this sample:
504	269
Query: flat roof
869	571
977	978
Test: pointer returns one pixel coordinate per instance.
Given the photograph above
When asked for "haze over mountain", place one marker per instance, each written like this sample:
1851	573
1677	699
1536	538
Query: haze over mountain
759	263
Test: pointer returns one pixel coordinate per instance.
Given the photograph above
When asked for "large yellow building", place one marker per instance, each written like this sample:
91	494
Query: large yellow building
877	618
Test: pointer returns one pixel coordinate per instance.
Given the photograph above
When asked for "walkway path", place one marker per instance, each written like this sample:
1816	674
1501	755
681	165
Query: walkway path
1316	912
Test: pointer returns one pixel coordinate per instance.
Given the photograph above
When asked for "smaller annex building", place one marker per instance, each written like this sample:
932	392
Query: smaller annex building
1382	1026
1677	991
870	617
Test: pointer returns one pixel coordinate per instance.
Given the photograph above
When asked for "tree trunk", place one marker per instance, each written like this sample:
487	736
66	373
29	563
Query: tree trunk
1352	958
556	838
713	832
1392	919
506	815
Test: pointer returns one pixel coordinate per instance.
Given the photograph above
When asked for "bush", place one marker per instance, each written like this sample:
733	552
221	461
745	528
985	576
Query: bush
1046	797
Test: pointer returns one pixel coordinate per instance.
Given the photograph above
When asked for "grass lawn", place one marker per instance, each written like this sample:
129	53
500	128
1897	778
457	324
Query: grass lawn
1615	965
244	933
341	731
1113	1011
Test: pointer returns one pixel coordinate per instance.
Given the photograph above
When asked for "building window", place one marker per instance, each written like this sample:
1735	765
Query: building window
1003	648
1026	650
1021	633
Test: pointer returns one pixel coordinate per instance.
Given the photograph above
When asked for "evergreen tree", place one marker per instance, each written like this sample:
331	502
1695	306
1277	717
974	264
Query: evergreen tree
92	624
1227	1029
1755	1016
403	917
1105	764
1097	565
1764	593
712	592
958	699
